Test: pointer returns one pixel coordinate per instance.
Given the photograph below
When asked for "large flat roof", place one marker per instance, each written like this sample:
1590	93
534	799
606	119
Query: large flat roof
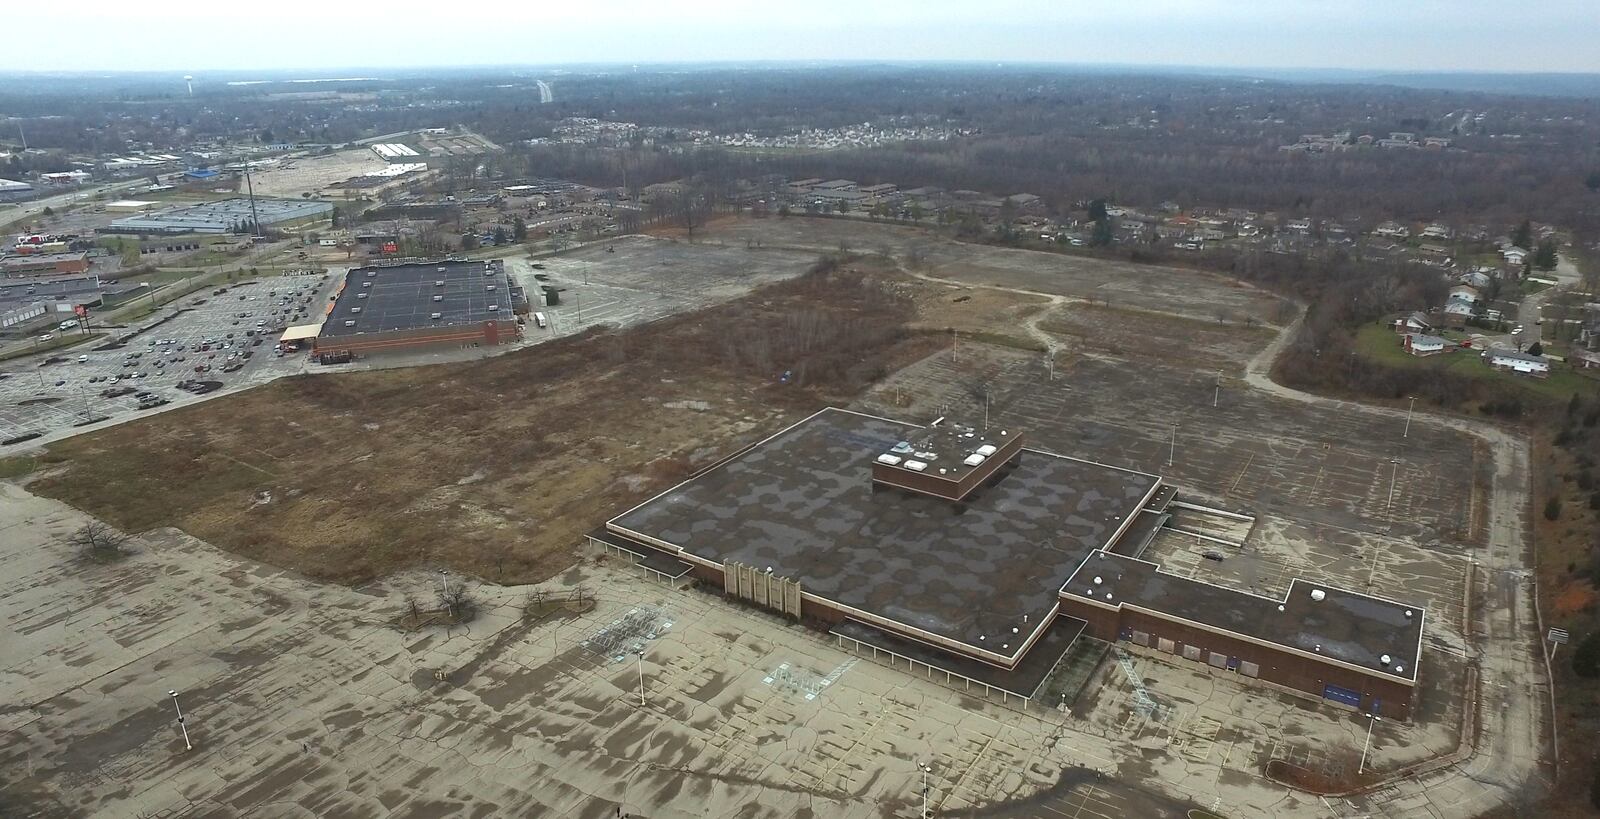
220	216
26	292
1343	625
803	502
401	297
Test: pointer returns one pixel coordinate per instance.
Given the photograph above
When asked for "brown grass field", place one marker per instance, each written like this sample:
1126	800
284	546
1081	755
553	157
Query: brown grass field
497	467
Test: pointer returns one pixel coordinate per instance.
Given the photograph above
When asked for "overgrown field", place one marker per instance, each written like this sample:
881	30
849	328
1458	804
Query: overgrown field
496	467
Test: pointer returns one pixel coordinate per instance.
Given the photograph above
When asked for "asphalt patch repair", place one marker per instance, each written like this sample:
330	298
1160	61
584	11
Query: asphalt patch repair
495	467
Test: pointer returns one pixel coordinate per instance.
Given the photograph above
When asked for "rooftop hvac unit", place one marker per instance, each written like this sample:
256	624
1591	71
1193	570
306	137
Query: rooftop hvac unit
1318	594
973	460
986	450
436	315
891	460
438	298
916	466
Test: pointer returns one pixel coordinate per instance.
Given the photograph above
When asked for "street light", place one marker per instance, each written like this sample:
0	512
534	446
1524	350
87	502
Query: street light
1173	451
187	746
1407	433
926	769
1372	719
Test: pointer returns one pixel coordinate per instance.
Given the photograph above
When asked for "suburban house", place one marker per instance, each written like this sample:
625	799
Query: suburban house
1392	230
1518	362
1515	256
1419	344
1413	323
1466	292
1459	308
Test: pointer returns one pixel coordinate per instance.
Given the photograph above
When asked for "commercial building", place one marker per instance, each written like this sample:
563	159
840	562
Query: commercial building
428	305
28	306
44	264
224	216
965	552
12	189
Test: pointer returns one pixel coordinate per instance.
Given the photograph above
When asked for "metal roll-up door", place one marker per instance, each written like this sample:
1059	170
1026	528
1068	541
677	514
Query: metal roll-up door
1216	660
1191	653
1141	638
1166	645
1249	669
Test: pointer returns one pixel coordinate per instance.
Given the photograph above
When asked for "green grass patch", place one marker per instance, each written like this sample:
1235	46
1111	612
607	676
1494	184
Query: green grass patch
1380	345
68	340
17	466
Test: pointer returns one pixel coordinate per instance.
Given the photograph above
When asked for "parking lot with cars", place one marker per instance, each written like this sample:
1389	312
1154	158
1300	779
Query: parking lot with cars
216	339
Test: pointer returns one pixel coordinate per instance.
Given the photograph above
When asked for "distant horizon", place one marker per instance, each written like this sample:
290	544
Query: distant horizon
1540	36
711	64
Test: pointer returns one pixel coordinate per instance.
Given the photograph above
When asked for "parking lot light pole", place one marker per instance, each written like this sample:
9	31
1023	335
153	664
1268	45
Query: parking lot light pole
1172	452
1407	433
1372	719
187	746
640	654
926	769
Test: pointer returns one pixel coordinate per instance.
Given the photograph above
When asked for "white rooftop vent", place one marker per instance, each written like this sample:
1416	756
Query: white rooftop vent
886	458
438	298
436	315
1408	614
986	450
1399	669
1013	629
1385	659
1280	607
1108	595
1097	580
438	282
973	460
1318	595
1002	433
1317	647
941	470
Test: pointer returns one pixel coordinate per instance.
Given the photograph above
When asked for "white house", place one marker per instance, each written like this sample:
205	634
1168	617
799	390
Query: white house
1419	344
1508	359
1458	307
1514	255
1466	293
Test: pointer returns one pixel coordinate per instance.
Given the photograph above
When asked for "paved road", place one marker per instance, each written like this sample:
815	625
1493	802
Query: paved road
1529	312
28	210
1507	768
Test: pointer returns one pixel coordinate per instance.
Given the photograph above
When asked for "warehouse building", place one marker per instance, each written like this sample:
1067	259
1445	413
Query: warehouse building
224	216
410	307
965	553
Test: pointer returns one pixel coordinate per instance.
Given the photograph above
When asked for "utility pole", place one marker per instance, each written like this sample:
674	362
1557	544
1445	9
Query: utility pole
1172	452
187	746
955	340
1217	394
986	408
1407	433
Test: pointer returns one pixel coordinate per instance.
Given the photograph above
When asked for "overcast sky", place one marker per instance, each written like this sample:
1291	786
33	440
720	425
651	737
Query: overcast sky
192	36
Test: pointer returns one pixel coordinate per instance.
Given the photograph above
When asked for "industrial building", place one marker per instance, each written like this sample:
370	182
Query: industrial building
415	306
964	552
224	216
11	189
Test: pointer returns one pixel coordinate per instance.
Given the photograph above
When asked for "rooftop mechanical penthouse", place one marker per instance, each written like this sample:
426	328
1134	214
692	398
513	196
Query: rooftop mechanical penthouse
963	550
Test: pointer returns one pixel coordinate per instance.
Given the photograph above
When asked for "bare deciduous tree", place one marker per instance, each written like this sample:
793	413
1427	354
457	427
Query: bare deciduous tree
457	601
99	542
